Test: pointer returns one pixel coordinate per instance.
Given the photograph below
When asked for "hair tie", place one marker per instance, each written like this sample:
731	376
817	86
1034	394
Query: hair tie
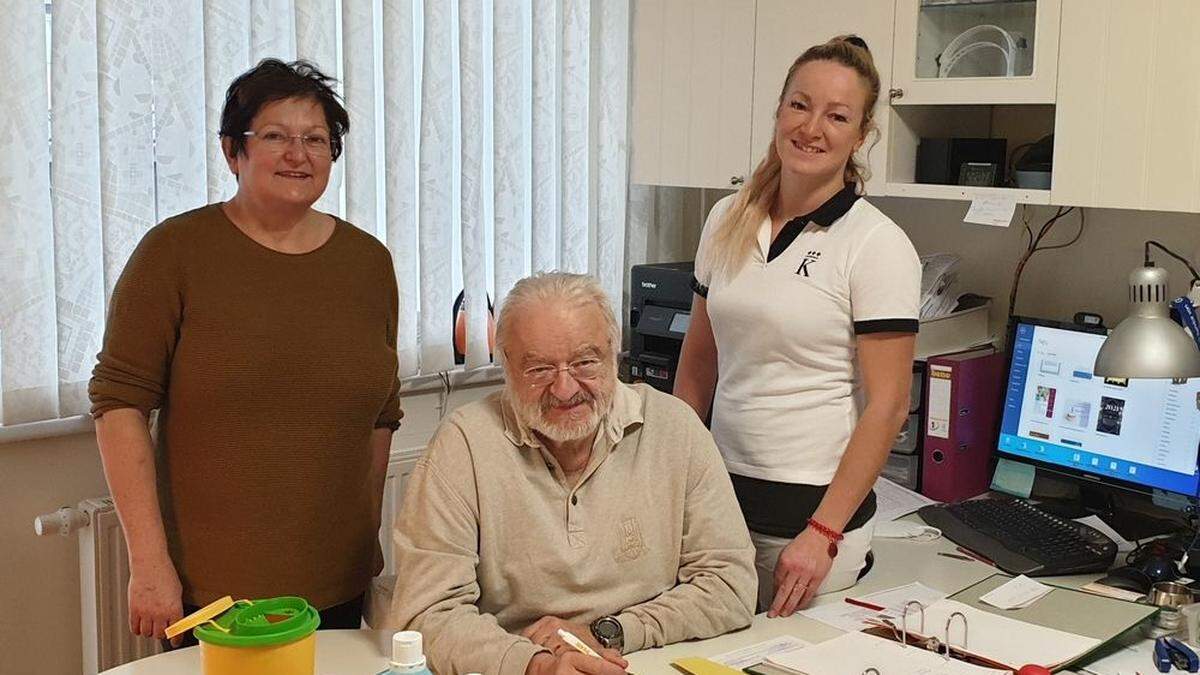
857	42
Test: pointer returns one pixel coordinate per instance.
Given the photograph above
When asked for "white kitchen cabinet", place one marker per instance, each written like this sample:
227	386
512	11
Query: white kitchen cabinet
976	51
1127	130
785	28
693	66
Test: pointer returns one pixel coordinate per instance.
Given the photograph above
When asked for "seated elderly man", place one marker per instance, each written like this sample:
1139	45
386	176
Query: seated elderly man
569	500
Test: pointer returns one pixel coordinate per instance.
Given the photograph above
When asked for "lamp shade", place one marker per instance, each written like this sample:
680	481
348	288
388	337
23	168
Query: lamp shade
1148	344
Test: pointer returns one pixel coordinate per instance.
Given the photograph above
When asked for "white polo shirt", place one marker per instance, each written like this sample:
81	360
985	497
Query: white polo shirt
787	395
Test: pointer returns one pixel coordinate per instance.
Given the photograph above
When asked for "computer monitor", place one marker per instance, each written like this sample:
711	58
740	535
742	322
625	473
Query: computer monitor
1136	434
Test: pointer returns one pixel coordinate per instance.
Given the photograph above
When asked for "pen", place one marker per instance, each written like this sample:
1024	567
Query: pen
955	556
861	603
579	645
974	555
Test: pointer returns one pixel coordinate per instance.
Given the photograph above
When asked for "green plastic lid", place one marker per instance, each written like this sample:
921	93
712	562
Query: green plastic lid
261	623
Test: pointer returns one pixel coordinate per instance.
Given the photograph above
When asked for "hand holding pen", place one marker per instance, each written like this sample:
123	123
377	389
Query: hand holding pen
582	647
569	652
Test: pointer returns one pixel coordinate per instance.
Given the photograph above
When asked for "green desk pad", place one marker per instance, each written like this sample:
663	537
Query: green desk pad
1066	609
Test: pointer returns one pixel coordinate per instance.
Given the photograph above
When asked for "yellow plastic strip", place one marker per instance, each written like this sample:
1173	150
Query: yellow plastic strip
694	665
206	613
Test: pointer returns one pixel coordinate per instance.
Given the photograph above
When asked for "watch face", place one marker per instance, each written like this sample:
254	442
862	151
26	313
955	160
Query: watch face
608	632
608	628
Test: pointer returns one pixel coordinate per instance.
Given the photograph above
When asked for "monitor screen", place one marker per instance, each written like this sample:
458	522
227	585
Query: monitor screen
1138	433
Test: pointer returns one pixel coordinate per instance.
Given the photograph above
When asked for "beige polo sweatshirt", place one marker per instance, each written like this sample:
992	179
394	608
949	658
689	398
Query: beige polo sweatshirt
491	537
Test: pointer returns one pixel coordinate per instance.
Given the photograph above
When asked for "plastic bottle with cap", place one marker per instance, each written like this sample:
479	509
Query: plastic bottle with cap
408	656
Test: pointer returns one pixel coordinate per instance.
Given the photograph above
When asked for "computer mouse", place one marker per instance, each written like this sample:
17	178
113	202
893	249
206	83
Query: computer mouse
1128	579
1160	568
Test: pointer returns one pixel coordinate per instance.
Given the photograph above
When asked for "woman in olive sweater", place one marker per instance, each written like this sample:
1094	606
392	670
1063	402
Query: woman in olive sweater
264	333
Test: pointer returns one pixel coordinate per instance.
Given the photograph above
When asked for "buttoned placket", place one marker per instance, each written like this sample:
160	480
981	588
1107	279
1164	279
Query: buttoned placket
601	449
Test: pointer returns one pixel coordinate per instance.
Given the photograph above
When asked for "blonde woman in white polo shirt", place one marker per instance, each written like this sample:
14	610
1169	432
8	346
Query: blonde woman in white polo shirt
803	327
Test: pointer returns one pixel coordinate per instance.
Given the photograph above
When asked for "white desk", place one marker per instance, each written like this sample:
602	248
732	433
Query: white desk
897	562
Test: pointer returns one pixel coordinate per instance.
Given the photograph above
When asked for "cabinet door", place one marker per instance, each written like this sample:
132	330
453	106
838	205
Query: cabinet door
693	63
1127	127
967	51
785	28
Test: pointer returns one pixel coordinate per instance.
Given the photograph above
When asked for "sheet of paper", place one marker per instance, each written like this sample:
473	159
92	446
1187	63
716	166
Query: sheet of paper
1014	478
894	501
1020	592
845	616
757	653
1110	592
1095	521
858	652
992	209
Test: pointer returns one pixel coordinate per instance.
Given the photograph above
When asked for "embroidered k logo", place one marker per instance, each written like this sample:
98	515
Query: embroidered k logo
809	258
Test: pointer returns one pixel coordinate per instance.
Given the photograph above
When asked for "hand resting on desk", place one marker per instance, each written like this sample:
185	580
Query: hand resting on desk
802	566
544	632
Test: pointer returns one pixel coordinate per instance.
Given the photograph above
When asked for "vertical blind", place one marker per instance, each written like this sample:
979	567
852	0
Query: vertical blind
488	140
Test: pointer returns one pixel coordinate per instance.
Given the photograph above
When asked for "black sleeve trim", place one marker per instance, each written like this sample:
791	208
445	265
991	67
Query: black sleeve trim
699	288
887	326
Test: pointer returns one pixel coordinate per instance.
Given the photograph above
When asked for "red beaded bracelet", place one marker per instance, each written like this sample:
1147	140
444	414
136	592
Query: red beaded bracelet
829	533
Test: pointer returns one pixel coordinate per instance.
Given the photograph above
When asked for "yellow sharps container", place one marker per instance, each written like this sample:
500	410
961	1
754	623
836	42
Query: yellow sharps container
253	637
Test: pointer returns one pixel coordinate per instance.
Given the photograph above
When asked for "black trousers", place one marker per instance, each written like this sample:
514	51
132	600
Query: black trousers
346	615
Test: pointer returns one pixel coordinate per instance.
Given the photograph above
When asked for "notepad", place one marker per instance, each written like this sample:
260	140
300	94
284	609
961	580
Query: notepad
856	652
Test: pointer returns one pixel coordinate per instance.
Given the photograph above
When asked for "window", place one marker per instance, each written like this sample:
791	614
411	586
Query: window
486	131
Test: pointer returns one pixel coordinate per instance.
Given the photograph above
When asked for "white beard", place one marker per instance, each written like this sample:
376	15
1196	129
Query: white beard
533	416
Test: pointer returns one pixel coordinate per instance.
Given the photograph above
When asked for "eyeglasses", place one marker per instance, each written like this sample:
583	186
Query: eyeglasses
582	369
315	145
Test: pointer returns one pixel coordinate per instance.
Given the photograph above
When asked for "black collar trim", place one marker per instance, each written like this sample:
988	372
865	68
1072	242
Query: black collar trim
824	215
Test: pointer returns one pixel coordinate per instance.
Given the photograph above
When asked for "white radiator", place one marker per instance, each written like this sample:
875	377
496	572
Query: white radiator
104	568
103	583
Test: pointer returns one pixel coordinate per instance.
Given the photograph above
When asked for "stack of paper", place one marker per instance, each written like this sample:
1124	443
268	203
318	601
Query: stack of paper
757	653
895	501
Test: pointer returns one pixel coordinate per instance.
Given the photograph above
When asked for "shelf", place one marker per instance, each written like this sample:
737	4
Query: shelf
940	4
965	192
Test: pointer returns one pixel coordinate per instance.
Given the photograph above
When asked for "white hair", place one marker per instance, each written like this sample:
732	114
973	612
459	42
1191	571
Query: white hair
543	288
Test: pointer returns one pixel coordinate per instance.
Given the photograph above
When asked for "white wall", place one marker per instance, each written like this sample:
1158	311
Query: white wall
39	576
1089	275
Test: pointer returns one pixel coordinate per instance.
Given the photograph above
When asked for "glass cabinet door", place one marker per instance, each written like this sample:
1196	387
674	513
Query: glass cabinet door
963	38
976	51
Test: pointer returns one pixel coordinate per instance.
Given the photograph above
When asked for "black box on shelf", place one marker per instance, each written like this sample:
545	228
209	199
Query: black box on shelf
941	160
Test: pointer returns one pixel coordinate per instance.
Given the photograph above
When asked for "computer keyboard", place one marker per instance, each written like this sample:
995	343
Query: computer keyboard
1022	539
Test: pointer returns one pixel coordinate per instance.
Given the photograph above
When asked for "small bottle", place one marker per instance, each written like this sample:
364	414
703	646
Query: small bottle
408	656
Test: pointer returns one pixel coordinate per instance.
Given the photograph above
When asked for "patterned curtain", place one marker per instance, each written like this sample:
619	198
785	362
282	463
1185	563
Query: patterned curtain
488	140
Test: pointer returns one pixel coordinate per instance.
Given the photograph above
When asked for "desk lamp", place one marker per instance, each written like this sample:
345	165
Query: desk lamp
1148	344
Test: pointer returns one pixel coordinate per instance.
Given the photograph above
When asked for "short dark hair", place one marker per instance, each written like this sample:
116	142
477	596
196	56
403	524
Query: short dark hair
273	80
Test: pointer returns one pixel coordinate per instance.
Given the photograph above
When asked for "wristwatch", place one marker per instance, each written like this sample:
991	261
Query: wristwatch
608	632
